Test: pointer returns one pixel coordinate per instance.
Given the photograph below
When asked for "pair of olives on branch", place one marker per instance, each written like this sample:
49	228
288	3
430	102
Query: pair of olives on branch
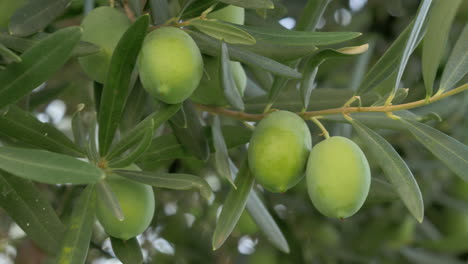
337	172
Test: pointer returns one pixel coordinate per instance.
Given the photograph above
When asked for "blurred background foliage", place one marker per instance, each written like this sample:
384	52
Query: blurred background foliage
381	232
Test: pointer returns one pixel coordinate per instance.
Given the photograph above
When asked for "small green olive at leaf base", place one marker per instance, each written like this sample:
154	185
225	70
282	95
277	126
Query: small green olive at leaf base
231	14
170	65
278	151
103	26
137	203
210	91
338	177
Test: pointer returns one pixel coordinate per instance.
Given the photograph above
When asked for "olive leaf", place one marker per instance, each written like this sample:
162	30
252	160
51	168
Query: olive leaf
223	31
457	64
231	92
221	152
127	251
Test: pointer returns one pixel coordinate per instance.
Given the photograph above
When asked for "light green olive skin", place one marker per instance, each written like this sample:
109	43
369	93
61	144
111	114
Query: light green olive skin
103	26
210	91
170	65
137	204
338	177
231	14
278	151
7	9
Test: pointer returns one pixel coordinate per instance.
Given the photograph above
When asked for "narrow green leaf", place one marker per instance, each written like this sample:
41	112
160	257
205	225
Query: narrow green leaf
159	11
233	206
38	64
193	137
223	31
47	167
440	19
174	181
21	44
179	119
76	242
265	222
116	88
299	38
450	151
107	196
138	150
79	127
196	8
278	52
254	4
35	15
221	152
388	62
231	93
23	126
8	54
307	83
457	64
395	169
23	202
127	251
412	41
165	147
311	15
133	136
138	103
420	256
91	147
210	46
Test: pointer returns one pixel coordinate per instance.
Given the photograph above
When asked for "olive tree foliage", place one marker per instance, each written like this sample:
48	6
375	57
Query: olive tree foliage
391	79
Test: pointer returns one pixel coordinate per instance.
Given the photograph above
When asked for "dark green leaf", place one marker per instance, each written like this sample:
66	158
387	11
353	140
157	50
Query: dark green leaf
231	93
133	136
138	150
233	206
299	38
35	15
450	151
47	95
221	152
23	202
412	41
174	181
439	21
108	198
137	6
138	103
265	222
307	83
254	4
159	11
47	167
23	126
165	147
127	251
79	127
38	64
179	119
395	169
193	137
76	242
117	86
277	51
8	54
211	47
223	31
311	14
457	64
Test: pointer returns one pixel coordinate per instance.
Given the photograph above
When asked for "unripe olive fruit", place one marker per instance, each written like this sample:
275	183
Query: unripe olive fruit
170	65
338	177
7	9
231	14
210	91
278	150
103	26
137	203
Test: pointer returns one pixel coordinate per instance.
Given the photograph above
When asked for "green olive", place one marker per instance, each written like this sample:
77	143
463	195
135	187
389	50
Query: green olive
103	26
338	177
231	14
137	203
170	65
7	9
210	91
278	151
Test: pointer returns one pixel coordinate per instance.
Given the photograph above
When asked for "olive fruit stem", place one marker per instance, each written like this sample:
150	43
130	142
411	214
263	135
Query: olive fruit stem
321	126
333	111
